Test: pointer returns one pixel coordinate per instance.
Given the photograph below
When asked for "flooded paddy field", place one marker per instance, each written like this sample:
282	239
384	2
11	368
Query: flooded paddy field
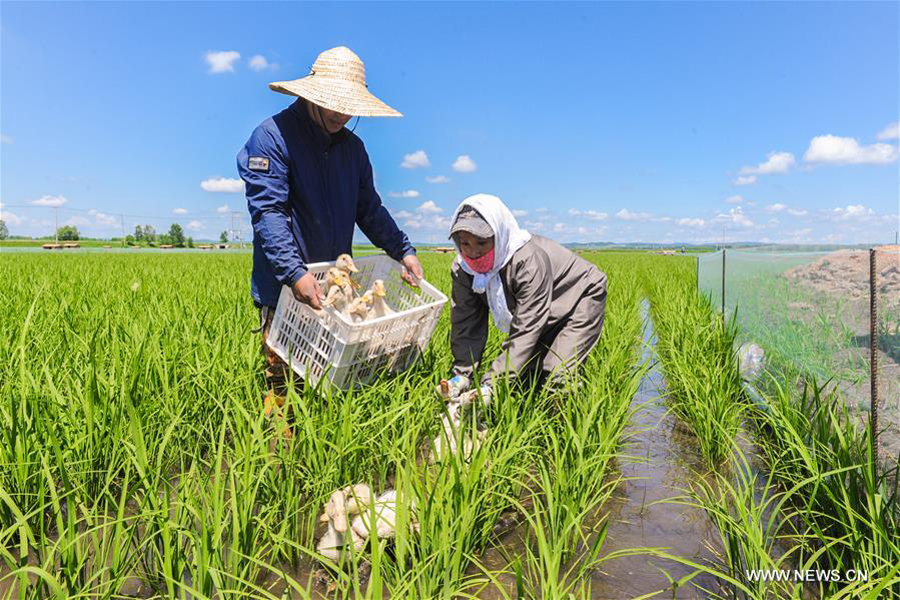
138	462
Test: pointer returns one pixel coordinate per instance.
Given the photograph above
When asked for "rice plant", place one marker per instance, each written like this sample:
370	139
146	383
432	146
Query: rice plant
697	353
135	454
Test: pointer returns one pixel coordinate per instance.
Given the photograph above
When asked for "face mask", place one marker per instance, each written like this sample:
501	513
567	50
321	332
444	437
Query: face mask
482	264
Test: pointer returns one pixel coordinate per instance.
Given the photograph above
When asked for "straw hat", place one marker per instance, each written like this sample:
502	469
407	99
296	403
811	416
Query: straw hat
337	82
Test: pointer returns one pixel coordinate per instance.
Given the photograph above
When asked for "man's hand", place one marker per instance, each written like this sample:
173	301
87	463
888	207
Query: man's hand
306	290
412	270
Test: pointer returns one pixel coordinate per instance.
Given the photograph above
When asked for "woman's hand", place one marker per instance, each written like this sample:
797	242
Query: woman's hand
412	270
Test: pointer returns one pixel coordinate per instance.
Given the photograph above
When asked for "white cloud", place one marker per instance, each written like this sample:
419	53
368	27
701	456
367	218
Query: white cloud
779	207
627	215
535	225
853	211
180	211
520	213
593	215
223	184
10	218
438	179
559	227
5	139
405	194
194	226
691	222
223	209
847	151
103	218
778	162
222	62
737	199
53	201
891	132
429	208
427	216
258	62
735	216
428	222
801	232
415	160
745	180
464	164
77	221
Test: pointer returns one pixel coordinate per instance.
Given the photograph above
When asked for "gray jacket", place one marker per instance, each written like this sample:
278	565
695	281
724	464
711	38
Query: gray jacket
543	282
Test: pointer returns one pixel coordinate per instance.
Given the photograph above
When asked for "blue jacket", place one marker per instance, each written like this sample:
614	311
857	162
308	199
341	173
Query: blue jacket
305	191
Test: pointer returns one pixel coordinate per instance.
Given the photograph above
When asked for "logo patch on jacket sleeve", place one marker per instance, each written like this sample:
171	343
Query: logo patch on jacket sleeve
258	163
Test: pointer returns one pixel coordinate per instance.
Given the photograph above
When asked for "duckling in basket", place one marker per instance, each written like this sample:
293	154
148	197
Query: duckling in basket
358	310
379	306
339	290
345	264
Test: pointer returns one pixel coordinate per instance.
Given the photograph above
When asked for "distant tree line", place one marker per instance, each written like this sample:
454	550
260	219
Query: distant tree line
147	235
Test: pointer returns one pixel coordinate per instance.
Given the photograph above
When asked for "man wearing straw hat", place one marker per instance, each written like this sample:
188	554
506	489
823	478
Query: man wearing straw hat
308	182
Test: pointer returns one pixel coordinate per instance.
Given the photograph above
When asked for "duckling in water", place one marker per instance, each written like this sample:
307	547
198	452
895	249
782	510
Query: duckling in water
379	306
345	502
385	508
358	500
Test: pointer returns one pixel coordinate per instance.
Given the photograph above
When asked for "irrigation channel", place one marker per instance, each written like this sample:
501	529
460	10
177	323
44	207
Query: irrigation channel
659	460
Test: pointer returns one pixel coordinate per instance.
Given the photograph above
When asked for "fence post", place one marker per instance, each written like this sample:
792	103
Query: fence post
698	272
873	348
723	288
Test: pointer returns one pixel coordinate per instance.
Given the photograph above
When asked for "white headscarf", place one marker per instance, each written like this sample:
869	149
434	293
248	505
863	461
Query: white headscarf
508	238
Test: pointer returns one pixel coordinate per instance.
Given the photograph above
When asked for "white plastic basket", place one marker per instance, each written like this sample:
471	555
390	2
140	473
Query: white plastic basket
319	344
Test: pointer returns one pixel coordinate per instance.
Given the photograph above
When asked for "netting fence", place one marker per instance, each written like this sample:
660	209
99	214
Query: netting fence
810	313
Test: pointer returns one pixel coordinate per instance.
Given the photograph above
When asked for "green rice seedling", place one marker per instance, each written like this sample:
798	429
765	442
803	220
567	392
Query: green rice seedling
133	397
748	517
697	355
849	502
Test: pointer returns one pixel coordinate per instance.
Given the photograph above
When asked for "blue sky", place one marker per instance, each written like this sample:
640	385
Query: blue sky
642	122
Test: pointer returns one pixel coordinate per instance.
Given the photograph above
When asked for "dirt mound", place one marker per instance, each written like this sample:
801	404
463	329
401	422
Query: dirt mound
846	272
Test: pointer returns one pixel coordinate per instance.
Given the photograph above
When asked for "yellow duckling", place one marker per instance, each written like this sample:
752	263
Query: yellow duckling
358	310
344	262
337	296
379	306
330	274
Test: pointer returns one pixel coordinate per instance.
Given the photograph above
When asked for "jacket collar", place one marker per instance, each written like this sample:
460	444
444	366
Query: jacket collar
316	134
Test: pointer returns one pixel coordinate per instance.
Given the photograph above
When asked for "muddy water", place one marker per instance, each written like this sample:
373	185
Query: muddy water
660	460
